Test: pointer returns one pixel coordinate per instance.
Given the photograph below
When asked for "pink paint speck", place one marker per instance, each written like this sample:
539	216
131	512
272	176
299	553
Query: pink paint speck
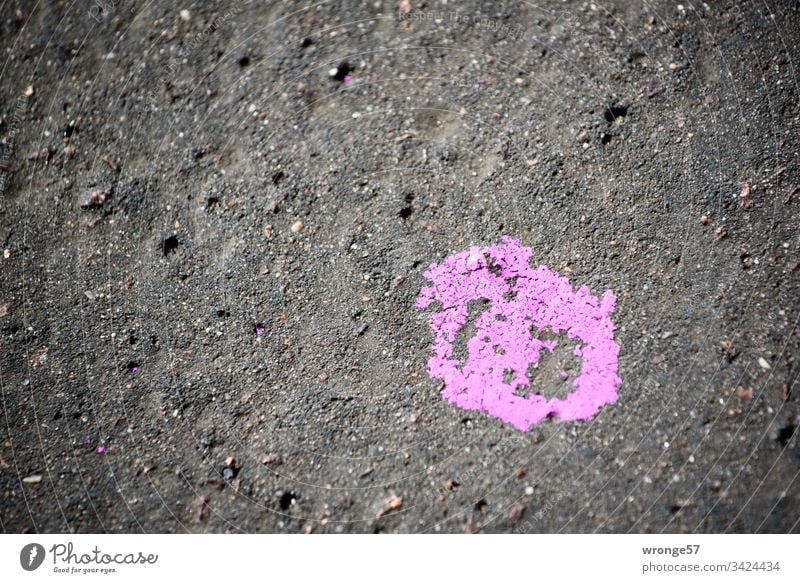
520	296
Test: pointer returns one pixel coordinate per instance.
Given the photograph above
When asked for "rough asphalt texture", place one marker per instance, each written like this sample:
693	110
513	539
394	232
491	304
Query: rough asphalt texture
213	246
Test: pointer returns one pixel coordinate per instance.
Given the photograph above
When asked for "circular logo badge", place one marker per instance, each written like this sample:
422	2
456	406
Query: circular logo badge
522	300
31	556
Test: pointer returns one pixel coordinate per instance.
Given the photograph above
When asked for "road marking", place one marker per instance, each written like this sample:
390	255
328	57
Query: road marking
519	297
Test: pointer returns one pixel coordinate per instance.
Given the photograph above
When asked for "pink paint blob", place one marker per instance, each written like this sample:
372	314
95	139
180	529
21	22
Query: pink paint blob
519	297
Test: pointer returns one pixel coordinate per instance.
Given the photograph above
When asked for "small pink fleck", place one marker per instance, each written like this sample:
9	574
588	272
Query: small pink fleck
520	298
88	440
259	329
101	449
348	79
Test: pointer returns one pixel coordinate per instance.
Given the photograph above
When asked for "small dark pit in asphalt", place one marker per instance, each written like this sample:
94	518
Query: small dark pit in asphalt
171	245
286	499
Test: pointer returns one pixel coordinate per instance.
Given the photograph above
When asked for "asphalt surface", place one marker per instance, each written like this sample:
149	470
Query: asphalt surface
215	218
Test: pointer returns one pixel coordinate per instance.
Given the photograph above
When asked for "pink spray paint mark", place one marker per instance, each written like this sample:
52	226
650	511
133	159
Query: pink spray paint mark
520	296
